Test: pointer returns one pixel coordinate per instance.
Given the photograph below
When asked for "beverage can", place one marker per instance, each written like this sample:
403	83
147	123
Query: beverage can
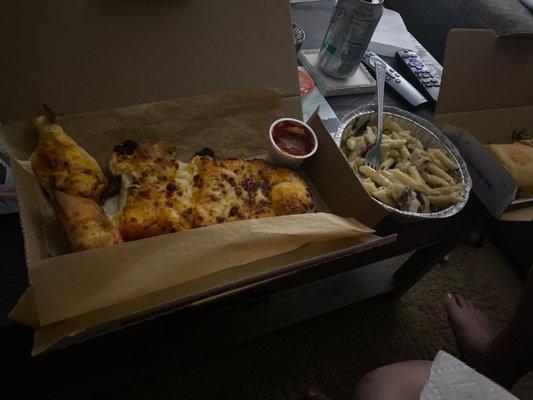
351	27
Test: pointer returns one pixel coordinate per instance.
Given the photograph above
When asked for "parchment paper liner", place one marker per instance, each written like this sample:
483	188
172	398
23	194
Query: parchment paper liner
234	124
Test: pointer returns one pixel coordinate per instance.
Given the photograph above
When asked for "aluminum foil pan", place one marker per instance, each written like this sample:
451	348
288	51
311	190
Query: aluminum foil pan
428	135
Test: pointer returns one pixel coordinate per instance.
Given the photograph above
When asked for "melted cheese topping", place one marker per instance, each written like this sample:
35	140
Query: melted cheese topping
161	194
59	163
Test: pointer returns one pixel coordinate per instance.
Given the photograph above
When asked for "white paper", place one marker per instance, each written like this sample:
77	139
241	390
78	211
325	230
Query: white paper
450	379
390	35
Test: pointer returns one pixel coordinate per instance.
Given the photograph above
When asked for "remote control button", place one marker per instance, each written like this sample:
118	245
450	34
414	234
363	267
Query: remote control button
431	75
396	74
425	81
405	55
428	85
436	84
387	77
397	80
416	63
434	80
425	74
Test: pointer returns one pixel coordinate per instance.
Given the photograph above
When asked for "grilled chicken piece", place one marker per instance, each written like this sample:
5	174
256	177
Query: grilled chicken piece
59	163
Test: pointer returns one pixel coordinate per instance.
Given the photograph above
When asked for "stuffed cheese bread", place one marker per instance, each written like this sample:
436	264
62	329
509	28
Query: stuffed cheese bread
85	222
160	194
59	163
517	159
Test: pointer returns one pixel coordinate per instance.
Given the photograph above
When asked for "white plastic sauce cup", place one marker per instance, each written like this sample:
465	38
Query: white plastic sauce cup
279	157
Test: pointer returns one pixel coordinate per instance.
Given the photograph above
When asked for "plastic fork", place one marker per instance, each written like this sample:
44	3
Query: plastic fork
373	156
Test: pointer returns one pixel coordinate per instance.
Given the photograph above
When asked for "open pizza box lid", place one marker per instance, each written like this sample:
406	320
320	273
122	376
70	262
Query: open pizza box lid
128	54
486	97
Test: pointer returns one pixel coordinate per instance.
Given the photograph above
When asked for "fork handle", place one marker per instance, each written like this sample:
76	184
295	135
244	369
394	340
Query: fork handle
381	70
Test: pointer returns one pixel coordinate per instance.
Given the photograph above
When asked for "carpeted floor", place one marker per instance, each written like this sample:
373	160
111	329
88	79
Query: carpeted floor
333	351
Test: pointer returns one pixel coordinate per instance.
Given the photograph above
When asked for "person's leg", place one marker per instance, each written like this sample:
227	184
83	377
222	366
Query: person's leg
400	381
503	358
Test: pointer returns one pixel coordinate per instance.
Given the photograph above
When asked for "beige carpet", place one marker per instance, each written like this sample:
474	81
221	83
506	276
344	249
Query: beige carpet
331	352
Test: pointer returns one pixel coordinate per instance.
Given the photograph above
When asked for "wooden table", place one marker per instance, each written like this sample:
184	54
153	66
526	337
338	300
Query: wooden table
121	357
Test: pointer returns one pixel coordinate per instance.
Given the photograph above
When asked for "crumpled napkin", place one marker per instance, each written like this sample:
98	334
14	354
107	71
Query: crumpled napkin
451	379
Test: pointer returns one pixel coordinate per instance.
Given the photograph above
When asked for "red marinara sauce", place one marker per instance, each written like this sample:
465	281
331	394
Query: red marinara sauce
293	138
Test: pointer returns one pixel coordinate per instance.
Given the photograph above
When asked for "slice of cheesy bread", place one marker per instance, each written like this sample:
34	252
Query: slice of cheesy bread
160	194
156	190
85	222
59	163
517	159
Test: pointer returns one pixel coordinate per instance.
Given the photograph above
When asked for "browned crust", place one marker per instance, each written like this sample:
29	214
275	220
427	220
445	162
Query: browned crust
85	222
222	190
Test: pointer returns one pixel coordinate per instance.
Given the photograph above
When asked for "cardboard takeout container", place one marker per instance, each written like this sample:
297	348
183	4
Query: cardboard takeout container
486	96
72	292
76	296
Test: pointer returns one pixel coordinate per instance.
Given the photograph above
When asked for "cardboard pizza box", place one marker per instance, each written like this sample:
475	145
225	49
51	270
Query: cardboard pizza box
85	55
121	57
486	97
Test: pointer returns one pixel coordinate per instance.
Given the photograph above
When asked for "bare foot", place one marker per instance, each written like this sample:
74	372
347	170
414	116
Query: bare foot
471	329
495	357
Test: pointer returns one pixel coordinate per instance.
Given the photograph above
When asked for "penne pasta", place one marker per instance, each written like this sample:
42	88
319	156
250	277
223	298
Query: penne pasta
369	186
376	177
395	127
396	190
397	143
357	162
404	153
444	159
409	177
434	180
353	155
387	163
383	195
435	160
407	180
413	173
352	141
445	200
433	169
448	189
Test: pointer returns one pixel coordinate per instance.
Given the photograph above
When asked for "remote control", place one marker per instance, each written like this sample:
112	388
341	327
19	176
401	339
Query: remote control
419	74
396	81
